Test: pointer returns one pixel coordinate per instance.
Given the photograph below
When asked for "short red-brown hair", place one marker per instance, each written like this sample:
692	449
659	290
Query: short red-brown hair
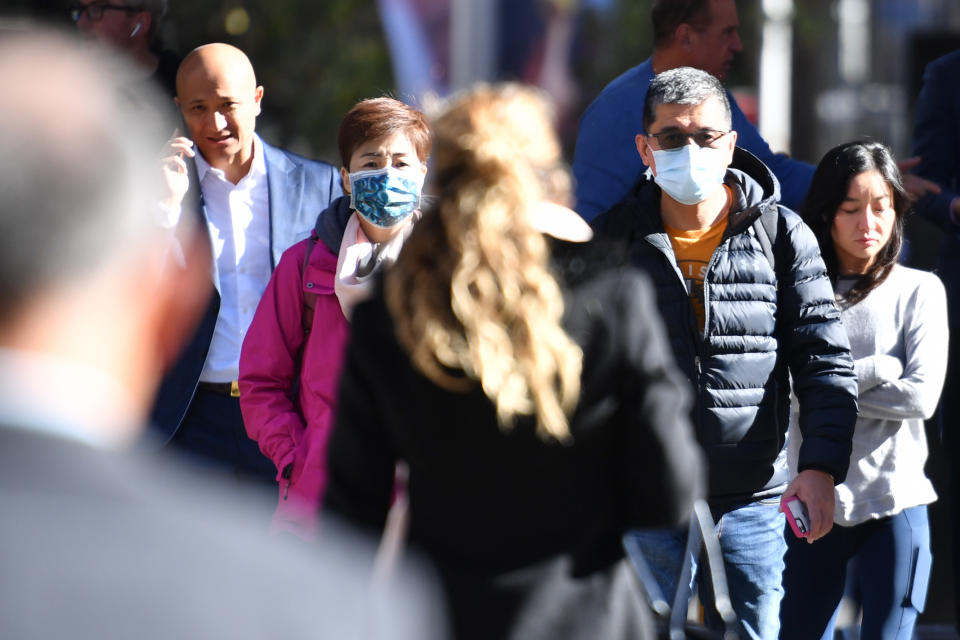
378	117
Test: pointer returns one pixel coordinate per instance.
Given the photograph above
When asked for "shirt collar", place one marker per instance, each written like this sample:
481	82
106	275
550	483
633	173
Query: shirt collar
53	395
257	168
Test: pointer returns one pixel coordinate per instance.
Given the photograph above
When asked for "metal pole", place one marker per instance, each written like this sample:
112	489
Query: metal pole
473	42
776	77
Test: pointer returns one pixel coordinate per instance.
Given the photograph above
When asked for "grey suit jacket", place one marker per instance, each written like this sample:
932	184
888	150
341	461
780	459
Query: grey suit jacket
300	190
103	545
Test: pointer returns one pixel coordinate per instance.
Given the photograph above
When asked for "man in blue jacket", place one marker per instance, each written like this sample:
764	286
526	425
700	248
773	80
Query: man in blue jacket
936	139
255	201
687	33
747	303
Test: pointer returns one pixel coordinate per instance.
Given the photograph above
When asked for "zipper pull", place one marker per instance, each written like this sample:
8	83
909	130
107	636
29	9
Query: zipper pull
287	472
696	361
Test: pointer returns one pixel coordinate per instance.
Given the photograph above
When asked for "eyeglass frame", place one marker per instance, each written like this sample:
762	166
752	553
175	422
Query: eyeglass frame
77	11
688	136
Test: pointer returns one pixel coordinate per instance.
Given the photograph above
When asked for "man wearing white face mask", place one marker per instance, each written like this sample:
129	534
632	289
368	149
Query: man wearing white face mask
747	302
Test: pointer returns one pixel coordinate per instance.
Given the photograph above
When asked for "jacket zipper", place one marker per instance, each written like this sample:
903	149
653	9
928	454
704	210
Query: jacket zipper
287	472
671	260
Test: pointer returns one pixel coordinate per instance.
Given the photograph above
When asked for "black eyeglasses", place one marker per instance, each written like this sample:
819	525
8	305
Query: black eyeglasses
676	139
95	11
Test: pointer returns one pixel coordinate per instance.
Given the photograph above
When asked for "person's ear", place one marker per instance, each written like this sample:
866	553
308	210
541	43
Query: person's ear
684	35
646	153
730	145
142	25
257	97
345	179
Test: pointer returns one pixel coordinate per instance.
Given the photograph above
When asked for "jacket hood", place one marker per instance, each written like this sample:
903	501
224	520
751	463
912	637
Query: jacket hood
754	189
756	180
332	222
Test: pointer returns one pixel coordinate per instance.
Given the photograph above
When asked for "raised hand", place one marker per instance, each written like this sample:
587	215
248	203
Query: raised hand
176	177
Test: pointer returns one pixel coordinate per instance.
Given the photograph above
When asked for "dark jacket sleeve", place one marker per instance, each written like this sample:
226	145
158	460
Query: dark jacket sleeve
936	138
818	351
361	454
662	464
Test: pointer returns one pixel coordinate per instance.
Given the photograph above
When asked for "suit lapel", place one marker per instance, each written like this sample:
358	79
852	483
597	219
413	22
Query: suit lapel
198	207
285	185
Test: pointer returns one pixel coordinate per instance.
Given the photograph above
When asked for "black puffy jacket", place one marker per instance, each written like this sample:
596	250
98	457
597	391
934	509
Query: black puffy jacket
758	324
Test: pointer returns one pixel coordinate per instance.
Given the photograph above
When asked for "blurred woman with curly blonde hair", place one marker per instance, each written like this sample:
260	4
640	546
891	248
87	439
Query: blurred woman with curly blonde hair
525	381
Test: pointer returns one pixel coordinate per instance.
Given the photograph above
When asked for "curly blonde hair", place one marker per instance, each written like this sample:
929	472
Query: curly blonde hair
472	296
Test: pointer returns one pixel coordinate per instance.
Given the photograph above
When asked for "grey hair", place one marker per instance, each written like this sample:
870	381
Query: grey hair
683	85
79	176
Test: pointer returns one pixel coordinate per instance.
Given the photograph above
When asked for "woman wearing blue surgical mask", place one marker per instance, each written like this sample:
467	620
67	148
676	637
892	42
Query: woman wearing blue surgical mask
291	357
383	179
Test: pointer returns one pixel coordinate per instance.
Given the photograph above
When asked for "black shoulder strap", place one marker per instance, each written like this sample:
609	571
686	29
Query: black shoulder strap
309	297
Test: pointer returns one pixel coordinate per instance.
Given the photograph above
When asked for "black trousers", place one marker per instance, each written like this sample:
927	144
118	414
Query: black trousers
213	436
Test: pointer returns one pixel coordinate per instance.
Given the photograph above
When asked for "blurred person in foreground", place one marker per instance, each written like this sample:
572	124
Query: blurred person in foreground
748	306
896	318
291	358
98	542
527	386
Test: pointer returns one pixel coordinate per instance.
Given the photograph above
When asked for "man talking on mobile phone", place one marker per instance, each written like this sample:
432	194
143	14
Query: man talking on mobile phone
255	201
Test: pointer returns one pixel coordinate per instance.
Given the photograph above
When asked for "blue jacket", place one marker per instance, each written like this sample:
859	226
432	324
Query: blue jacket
299	190
936	139
606	163
759	324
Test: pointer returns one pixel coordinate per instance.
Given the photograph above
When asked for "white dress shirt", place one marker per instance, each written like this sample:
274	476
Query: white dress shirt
238	218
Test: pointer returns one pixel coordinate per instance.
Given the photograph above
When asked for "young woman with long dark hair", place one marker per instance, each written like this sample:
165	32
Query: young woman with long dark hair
896	319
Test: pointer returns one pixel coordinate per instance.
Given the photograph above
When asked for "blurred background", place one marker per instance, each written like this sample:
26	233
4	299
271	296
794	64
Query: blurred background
813	73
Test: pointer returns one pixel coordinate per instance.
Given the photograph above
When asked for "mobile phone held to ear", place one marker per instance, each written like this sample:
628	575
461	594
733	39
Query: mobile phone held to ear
796	513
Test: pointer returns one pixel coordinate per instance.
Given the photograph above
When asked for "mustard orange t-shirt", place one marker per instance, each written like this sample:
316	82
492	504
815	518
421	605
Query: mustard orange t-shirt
693	248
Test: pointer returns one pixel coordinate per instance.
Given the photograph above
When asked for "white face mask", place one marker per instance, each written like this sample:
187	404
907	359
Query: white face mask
691	173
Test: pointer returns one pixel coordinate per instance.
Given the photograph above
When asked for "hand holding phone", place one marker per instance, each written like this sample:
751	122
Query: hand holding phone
175	171
797	516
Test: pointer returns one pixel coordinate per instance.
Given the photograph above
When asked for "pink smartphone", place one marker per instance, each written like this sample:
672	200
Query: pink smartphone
796	513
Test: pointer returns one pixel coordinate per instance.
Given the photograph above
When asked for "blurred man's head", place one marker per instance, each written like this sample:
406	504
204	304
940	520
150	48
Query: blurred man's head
83	263
123	24
219	98
697	33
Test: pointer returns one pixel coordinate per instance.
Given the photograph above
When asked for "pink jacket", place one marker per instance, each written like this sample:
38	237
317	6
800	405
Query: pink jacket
291	423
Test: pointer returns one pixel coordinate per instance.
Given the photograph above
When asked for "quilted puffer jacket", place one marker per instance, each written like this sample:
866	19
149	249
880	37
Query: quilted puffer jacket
763	323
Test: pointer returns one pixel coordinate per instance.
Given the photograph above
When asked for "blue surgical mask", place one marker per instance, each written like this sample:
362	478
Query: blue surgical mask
691	173
384	197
